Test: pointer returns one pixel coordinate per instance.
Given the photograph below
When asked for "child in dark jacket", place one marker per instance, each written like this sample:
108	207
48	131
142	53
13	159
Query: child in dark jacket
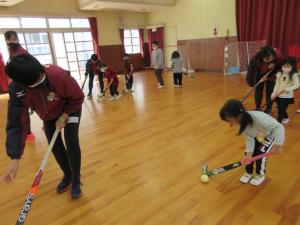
56	97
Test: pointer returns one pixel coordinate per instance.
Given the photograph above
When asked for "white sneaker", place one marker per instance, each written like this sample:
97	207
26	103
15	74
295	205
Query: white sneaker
298	111
257	180
111	99
160	86
175	86
246	178
285	121
131	90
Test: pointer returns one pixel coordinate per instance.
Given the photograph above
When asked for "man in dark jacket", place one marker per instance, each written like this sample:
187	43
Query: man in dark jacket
93	67
265	61
56	97
15	49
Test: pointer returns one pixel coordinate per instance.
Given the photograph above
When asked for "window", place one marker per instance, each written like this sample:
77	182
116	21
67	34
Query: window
132	41
72	50
59	23
33	22
69	47
6	22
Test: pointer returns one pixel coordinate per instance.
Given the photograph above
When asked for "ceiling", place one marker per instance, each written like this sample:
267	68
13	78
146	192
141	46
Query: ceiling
9	2
126	5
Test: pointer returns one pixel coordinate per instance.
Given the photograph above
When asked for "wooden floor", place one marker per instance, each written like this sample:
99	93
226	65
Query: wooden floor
141	160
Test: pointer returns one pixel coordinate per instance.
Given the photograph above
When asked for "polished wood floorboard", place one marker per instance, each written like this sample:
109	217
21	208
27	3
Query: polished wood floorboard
141	160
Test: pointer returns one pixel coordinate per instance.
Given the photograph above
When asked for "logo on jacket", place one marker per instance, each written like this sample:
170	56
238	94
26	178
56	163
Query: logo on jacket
51	97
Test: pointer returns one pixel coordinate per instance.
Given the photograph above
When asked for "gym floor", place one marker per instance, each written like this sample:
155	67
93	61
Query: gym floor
141	160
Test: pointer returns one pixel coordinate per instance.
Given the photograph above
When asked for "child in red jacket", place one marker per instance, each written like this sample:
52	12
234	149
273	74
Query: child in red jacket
56	97
112	81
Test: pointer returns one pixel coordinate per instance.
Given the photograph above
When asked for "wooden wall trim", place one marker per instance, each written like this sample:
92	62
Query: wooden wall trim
206	53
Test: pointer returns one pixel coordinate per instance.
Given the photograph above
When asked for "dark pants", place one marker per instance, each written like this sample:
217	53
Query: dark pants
129	82
177	78
91	82
113	88
67	156
158	74
283	104
259	94
261	163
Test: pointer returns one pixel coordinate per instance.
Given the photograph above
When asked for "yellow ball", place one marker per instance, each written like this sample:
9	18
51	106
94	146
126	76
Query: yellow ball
204	178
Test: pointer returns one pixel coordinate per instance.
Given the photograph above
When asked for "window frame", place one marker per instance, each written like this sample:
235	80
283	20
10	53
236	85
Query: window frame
131	41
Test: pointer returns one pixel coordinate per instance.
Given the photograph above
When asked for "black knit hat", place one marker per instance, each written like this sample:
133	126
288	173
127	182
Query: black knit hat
24	69
94	57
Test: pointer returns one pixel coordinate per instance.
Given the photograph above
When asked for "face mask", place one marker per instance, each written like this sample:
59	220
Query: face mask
38	83
286	70
13	46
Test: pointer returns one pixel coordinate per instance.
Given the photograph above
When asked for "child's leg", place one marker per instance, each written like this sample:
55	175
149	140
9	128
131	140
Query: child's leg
127	82
160	78
282	107
101	82
58	150
91	82
175	78
116	89
111	90
73	147
261	163
180	79
156	74
130	82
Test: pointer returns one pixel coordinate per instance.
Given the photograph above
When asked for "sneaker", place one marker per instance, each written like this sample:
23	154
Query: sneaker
89	94
111	98
160	86
76	191
30	137
257	180
298	111
180	86
176	86
63	184
285	121
131	90
246	178
257	109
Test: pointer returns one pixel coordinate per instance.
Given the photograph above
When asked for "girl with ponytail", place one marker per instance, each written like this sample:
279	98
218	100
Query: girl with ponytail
254	126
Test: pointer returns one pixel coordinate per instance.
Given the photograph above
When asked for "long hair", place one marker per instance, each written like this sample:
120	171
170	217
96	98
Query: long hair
293	62
265	52
232	109
175	55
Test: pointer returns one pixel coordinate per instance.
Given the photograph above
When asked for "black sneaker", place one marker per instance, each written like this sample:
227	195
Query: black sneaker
63	184
76	191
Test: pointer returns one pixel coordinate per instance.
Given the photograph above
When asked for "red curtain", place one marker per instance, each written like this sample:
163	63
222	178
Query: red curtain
121	31
157	35
94	31
3	78
276	21
141	33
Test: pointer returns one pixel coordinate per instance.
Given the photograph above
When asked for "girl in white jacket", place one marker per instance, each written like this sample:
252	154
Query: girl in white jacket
287	82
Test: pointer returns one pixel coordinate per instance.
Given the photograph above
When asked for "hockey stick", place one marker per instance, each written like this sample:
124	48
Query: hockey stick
267	144
253	88
83	83
35	185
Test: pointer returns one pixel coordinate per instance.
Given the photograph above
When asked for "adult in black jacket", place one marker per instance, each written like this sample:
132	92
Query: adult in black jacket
266	60
93	67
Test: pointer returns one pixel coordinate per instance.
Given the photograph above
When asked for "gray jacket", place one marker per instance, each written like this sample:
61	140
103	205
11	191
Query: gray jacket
158	59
